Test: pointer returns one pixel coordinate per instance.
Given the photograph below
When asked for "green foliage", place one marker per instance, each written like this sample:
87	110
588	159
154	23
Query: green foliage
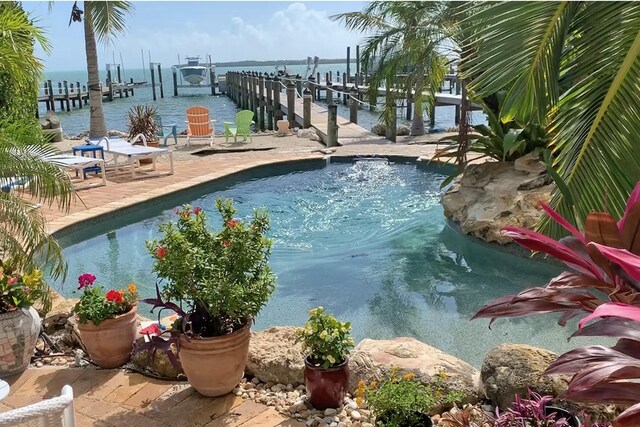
401	401
95	305
575	65
19	290
223	276
325	339
142	121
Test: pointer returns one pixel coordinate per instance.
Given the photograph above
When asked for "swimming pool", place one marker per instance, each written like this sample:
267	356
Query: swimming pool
366	239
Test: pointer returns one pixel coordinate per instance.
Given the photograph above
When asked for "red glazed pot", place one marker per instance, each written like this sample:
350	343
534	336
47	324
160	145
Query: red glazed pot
109	344
326	387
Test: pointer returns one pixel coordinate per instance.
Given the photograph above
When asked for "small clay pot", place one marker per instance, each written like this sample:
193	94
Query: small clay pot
215	365
563	413
109	344
326	387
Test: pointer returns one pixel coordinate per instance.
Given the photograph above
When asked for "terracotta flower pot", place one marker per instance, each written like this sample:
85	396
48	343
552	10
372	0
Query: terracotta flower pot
215	365
109	344
153	144
19	330
326	387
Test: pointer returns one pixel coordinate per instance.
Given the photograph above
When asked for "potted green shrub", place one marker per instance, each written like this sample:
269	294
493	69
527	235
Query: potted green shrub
219	280
327	343
19	321
107	321
401	401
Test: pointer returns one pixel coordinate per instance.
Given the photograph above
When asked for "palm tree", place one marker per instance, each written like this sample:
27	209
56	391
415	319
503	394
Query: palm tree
406	38
23	153
104	19
575	66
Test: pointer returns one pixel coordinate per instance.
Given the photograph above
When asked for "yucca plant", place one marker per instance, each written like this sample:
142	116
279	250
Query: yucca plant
604	282
142	121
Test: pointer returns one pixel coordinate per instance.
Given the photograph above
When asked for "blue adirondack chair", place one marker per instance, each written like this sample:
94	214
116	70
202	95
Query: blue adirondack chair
242	126
161	130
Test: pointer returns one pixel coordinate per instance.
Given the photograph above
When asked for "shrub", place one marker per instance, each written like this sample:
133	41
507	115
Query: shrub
142	121
325	339
19	290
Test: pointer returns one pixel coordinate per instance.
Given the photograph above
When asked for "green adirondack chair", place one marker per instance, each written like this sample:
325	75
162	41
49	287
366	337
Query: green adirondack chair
242	126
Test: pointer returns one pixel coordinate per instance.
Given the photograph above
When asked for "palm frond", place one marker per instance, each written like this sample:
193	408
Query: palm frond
109	18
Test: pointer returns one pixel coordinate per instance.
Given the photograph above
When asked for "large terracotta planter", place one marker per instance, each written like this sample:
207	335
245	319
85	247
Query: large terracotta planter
19	330
326	387
109	344
215	365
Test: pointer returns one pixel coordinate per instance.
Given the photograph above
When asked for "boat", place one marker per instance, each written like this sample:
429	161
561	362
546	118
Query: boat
193	72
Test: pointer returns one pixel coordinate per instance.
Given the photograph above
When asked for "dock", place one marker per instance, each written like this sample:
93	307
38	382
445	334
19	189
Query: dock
72	95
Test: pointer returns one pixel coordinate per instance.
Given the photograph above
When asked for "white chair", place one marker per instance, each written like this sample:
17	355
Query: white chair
77	164
55	412
118	147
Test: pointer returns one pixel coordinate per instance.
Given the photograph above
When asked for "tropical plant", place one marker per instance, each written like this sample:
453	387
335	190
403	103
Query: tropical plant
24	156
603	283
468	416
222	276
404	38
401	401
575	66
531	412
104	19
325	340
95	305
19	290
142	121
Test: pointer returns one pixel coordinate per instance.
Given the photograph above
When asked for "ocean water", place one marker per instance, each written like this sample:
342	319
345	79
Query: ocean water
172	109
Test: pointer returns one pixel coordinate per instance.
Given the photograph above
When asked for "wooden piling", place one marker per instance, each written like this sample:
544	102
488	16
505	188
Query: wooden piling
79	95
277	115
174	74
261	103
52	103
291	104
160	81
353	106
212	80
153	82
268	81
329	93
312	88
306	109
66	95
299	83
357	63
332	126
348	74
344	88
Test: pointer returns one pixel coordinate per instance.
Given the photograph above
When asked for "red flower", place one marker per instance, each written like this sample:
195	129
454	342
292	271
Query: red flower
86	279
226	243
197	210
152	329
12	280
232	223
114	296
161	252
185	214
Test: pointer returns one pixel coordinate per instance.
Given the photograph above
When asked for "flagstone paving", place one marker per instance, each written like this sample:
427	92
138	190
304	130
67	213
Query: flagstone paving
108	398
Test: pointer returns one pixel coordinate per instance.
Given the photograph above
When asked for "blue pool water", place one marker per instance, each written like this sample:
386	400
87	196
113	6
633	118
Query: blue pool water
366	240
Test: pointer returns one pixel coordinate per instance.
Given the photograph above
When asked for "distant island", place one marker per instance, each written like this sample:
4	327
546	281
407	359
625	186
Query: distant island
276	62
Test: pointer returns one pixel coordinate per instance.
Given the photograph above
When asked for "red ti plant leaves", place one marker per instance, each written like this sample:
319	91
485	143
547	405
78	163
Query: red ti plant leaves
600	227
632	201
614	309
563	222
629	262
630	232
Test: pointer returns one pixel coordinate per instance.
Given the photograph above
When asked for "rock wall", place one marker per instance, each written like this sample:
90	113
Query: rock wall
492	195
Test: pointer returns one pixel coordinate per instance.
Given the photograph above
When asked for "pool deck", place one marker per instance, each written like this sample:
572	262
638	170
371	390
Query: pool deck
116	398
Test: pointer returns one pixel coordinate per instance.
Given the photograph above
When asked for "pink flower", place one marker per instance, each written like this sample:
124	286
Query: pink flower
12	280
161	252
114	296
197	210
232	223
152	329
86	279
176	211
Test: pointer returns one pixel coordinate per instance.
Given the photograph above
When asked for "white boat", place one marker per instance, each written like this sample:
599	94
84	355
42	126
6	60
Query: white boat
193	72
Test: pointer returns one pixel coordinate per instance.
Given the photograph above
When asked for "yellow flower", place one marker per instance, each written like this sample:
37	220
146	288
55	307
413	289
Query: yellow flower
443	375
32	279
331	359
323	335
361	384
132	288
359	401
408	376
373	384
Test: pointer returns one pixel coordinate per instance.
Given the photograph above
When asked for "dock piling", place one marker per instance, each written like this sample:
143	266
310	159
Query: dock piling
174	73
353	106
268	81
332	126
261	102
153	82
291	105
277	115
159	80
306	109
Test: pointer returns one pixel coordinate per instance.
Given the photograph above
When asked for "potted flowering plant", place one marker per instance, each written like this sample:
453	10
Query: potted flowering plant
107	321
219	280
19	321
327	343
401	401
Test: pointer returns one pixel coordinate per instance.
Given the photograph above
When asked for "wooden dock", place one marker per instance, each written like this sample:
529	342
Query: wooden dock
70	94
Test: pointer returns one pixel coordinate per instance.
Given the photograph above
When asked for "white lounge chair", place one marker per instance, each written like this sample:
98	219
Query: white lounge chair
77	164
55	412
118	147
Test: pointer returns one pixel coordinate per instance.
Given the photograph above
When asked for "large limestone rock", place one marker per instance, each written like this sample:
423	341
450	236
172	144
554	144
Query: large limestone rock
375	359
275	357
155	361
510	369
492	195
61	310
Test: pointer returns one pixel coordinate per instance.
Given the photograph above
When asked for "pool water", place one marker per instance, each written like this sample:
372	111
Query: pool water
368	241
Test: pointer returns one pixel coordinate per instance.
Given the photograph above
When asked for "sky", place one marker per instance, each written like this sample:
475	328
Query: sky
226	30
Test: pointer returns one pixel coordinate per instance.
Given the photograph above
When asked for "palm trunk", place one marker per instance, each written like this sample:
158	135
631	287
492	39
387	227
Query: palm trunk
463	129
417	122
97	124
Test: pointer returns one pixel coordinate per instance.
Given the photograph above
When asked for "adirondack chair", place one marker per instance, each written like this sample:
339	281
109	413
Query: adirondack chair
199	125
172	130
243	126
